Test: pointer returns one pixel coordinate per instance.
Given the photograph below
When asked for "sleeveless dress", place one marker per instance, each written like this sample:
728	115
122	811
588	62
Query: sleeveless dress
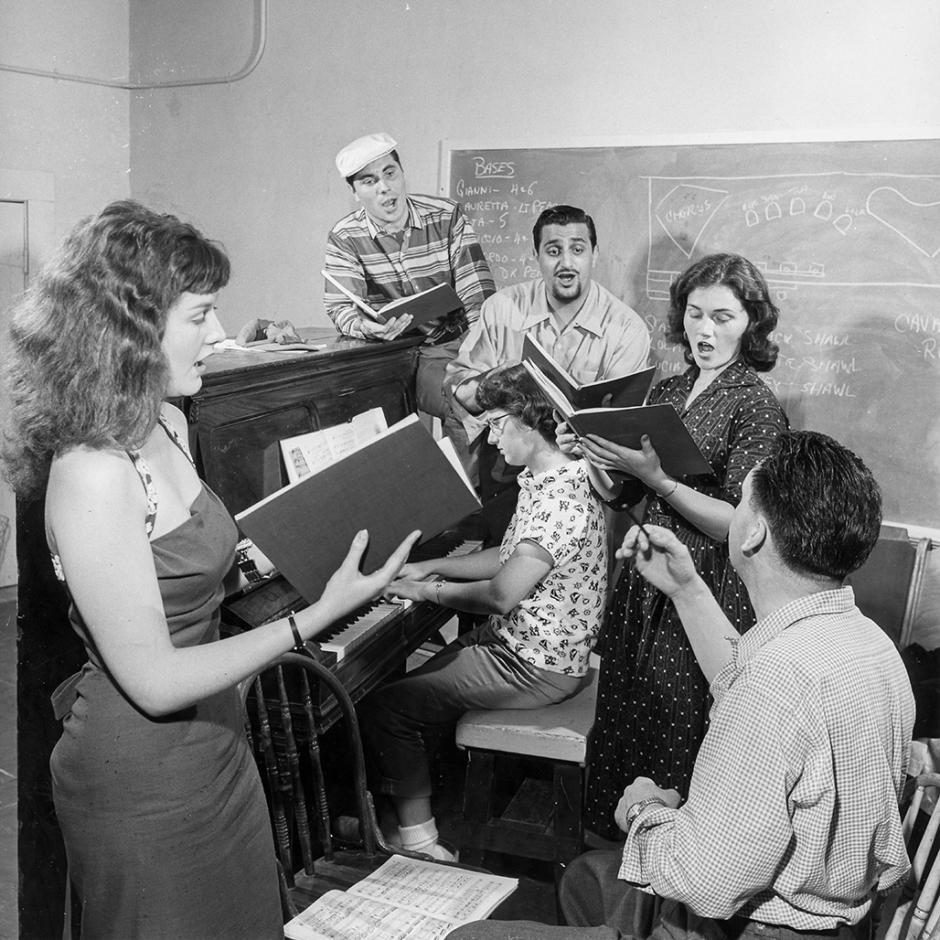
165	822
652	699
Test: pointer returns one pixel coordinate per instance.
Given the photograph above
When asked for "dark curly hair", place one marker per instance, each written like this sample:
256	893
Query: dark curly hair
822	504
747	284
562	215
514	391
84	360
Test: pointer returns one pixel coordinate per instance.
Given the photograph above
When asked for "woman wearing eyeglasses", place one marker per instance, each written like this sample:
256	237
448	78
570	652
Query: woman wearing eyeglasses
543	589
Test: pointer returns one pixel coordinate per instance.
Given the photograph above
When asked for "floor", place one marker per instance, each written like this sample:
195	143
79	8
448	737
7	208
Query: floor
8	875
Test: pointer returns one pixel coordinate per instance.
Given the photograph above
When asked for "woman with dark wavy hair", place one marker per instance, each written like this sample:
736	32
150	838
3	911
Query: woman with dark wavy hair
156	792
653	701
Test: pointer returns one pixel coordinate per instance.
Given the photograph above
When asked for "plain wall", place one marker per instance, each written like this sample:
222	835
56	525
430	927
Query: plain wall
252	162
79	133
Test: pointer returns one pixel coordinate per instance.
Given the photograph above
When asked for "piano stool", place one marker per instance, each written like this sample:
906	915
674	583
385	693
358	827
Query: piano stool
542	819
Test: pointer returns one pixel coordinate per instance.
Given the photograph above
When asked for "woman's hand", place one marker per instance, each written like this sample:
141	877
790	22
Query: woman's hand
349	588
415	571
607	455
568	442
407	588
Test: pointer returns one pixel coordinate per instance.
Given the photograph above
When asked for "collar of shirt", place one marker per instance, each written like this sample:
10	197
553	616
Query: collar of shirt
568	472
746	647
590	317
738	373
414	220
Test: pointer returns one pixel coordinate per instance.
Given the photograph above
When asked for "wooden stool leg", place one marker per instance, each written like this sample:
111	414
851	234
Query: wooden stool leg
477	805
568	827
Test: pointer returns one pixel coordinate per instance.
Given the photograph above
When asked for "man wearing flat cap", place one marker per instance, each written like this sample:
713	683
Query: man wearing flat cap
395	245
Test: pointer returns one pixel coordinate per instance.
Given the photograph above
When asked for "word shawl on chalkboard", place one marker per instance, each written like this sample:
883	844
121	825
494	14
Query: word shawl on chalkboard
846	233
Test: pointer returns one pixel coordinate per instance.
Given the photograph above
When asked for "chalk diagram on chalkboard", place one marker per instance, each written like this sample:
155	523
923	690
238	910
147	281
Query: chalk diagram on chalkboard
809	230
918	223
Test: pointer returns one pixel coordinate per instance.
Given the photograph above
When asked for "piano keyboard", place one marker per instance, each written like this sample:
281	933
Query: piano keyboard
356	632
359	629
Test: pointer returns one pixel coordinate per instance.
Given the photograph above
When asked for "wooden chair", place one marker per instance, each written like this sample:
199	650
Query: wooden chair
911	911
542	820
286	741
887	586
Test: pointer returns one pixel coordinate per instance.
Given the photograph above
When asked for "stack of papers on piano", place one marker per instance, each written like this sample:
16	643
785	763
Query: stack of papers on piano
405	898
306	453
394	483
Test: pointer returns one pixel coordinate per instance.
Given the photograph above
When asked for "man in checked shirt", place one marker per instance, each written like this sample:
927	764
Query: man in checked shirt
397	244
792	817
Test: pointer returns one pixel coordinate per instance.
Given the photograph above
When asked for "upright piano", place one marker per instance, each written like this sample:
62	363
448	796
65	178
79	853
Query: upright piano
249	401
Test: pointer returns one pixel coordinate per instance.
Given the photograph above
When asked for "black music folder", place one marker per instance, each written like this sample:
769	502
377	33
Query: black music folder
674	445
567	394
395	483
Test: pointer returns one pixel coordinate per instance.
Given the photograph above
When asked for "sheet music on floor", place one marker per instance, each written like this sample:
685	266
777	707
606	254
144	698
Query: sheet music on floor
405	899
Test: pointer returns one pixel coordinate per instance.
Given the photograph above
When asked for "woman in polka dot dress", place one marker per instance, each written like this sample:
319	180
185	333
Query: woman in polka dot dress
653	701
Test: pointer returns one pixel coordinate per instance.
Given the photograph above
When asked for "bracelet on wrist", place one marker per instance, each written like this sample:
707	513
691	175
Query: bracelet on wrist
669	491
299	645
437	592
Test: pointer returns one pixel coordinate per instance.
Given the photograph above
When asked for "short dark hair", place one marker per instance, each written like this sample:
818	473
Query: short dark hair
822	504
747	284
562	215
392	153
514	390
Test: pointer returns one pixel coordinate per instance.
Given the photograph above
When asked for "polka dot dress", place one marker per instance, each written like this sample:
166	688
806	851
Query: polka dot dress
652	700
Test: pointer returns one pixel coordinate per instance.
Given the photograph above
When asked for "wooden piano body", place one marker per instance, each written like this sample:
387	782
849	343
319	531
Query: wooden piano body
249	402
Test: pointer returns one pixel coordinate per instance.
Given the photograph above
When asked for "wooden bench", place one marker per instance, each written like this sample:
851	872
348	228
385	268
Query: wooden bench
542	817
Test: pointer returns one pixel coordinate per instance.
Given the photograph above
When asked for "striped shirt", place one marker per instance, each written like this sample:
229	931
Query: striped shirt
604	340
792	812
436	246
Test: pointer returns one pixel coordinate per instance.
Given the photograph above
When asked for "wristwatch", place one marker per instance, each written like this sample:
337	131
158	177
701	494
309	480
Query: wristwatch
635	809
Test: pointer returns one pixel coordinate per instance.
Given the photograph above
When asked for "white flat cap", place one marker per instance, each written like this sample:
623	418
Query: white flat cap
362	151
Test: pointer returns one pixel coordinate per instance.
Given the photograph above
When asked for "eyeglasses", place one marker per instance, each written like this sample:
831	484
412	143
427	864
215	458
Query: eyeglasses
497	424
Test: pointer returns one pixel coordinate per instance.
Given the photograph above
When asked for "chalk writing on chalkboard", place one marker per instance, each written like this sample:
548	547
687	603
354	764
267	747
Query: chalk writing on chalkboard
846	233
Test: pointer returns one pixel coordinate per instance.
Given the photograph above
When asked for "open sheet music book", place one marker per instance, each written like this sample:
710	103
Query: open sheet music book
674	445
396	482
306	453
425	306
405	899
567	394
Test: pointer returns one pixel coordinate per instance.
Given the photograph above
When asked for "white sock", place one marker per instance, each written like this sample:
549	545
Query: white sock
423	838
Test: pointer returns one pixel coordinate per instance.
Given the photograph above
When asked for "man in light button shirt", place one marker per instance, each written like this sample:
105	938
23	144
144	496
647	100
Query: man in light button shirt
582	325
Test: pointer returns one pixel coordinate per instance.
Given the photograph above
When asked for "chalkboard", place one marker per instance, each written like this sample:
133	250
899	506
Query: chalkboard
846	233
